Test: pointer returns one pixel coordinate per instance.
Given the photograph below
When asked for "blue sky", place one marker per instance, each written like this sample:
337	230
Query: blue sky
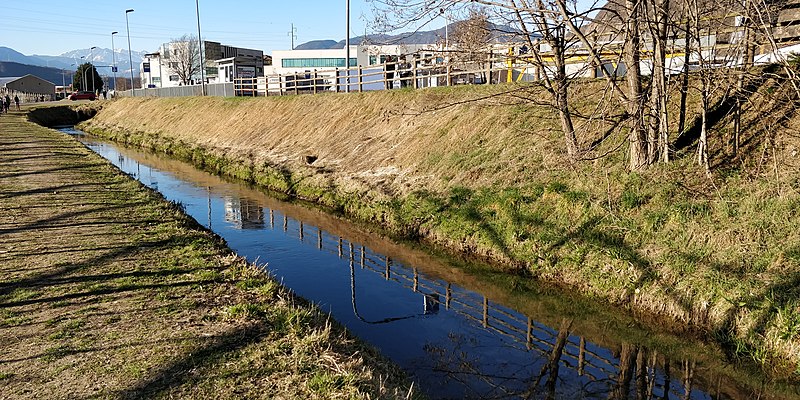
50	27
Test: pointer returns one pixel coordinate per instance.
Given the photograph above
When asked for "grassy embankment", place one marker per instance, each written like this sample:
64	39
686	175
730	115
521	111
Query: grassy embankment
487	177
109	291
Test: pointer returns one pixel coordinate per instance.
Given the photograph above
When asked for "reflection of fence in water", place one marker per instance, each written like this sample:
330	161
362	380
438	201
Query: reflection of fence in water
509	323
577	354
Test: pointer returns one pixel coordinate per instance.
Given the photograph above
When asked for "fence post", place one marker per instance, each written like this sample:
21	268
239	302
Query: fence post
449	72
315	81
295	83
360	79
414	71
336	80
489	69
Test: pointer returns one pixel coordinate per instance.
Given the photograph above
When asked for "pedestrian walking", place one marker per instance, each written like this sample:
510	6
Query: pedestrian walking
389	68
7	103
16	101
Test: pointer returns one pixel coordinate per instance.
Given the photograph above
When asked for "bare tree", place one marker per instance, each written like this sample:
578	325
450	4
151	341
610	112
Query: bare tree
539	25
184	58
470	40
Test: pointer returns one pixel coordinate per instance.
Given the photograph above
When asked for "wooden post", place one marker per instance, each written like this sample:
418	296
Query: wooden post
295	83
301	231
448	296
529	335
449	72
350	247
416	280
414	71
360	79
336	80
485	312
271	219
582	356
363	257
285	223
388	270
489	69
315	81
340	247
319	238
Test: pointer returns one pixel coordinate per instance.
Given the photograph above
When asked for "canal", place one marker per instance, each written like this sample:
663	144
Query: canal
456	335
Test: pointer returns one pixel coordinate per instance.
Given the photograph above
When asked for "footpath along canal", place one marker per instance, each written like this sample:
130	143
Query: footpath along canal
457	334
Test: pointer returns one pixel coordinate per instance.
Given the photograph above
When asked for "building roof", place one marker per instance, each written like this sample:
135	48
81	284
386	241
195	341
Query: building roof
5	81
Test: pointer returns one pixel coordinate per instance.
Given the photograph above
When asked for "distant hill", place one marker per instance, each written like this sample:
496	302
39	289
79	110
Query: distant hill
14	69
499	34
319	45
102	58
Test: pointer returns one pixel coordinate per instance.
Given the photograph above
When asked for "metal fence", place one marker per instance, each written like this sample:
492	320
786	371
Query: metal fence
214	89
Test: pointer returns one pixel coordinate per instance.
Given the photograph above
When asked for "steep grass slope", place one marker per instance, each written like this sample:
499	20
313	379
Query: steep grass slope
480	170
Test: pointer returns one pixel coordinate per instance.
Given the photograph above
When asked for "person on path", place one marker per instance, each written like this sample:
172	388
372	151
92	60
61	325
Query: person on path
7	103
389	72
16	101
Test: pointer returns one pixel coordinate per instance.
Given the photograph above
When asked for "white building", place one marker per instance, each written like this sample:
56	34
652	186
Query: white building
365	55
223	63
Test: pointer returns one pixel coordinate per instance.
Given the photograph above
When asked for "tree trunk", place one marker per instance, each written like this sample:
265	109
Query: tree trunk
638	134
627	361
687	48
562	104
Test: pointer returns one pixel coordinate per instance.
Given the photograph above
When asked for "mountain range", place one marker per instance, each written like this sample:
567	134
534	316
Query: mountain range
101	58
497	34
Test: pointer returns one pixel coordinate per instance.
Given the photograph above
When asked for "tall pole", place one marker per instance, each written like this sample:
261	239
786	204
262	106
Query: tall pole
83	75
293	35
200	49
347	45
114	59
91	68
130	57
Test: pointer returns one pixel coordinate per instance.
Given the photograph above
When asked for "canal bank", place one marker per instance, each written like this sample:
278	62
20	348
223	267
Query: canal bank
480	172
110	291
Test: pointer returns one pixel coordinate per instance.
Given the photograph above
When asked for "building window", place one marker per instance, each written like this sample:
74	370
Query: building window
156	79
174	78
316	62
373	60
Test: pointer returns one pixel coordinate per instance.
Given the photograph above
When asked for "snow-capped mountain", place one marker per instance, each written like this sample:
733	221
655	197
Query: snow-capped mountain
102	58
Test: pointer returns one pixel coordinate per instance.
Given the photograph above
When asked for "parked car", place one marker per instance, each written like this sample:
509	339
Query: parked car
82	96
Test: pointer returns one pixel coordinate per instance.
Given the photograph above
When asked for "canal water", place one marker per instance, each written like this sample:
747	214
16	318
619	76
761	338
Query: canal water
456	336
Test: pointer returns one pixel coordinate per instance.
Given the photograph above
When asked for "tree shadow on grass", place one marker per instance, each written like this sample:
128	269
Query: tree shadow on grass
182	370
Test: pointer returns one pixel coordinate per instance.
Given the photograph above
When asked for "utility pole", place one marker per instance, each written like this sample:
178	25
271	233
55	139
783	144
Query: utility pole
293	34
347	45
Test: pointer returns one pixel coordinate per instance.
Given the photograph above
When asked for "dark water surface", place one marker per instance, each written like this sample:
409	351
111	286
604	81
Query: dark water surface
456	336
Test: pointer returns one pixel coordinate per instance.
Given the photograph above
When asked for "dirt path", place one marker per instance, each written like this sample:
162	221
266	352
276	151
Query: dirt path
107	290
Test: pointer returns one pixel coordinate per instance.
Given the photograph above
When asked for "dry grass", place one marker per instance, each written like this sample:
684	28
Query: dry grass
487	177
109	291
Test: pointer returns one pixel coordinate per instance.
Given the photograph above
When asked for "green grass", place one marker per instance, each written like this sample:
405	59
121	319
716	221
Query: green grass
668	241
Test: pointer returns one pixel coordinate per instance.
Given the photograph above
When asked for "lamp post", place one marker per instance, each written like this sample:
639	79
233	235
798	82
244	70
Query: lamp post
347	45
63	83
114	59
83	75
130	57
91	67
200	48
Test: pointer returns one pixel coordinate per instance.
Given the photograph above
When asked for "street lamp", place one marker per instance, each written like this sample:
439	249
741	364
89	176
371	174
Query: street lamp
200	49
114	59
130	57
347	45
83	75
85	83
